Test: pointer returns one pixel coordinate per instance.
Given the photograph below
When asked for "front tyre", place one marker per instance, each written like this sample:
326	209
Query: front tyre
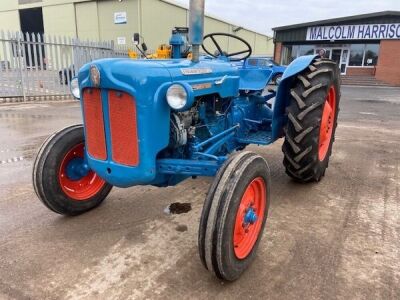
62	179
312	121
234	215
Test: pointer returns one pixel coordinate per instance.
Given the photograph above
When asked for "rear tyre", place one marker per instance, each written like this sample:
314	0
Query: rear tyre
276	78
312	120
61	178
234	215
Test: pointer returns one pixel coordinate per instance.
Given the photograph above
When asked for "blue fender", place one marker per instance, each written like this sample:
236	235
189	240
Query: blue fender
254	79
282	97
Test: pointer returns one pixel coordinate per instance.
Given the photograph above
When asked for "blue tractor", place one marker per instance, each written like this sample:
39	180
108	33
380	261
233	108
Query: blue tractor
159	122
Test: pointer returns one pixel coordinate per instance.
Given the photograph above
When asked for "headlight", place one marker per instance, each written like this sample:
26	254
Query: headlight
74	87
177	96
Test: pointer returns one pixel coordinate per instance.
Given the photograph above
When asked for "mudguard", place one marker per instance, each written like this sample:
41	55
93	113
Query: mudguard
253	79
282	97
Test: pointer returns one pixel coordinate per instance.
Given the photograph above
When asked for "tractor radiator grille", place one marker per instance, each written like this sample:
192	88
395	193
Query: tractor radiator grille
94	123
123	128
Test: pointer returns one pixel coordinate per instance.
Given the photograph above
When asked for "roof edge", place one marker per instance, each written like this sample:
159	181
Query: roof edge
339	19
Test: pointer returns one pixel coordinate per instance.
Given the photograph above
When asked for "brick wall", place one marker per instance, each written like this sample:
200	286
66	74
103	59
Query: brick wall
388	68
278	52
353	71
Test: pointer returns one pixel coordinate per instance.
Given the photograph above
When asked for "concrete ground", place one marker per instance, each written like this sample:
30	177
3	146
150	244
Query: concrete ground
338	239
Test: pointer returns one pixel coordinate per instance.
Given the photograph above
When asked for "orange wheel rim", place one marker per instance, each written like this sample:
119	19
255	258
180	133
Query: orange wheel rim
249	218
81	187
327	123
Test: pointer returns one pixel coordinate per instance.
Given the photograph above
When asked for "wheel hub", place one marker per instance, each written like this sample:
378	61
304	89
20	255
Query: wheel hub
249	218
76	179
77	168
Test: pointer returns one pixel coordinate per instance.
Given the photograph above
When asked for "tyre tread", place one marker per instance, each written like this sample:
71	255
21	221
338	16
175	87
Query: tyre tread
216	209
300	147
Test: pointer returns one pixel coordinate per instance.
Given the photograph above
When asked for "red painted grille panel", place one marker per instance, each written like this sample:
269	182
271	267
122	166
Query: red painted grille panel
94	123
124	140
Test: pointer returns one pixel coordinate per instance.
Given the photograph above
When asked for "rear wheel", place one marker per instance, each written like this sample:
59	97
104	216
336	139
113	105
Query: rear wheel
312	121
276	78
234	216
61	177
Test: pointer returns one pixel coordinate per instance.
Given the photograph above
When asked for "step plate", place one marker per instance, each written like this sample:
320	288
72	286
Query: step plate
258	138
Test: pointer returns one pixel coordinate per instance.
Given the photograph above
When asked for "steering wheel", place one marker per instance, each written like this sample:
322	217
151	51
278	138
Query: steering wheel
248	51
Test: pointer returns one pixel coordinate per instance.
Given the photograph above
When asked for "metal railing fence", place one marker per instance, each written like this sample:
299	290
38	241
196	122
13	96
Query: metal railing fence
37	66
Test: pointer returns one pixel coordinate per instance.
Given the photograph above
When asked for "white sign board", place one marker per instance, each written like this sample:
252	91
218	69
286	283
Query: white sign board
120	17
354	32
121	40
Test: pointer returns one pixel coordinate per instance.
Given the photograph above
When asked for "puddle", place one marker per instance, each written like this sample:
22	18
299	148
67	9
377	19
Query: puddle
380	101
367	113
178	208
181	228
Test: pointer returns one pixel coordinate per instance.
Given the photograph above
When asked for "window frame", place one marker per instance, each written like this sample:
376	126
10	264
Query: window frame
362	58
295	51
365	52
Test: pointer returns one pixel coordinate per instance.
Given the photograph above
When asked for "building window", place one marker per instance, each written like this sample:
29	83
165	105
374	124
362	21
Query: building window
295	52
361	55
364	55
326	49
371	54
306	50
289	53
356	54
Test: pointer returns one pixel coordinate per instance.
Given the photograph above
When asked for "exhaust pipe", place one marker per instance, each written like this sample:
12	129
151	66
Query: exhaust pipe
196	27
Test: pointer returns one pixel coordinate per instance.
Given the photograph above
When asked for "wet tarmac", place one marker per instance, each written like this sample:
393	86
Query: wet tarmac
338	239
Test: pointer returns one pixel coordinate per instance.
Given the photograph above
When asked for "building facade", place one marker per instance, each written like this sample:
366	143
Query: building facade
117	20
365	45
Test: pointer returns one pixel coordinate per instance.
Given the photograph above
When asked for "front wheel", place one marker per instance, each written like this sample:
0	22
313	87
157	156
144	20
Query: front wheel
61	178
234	216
